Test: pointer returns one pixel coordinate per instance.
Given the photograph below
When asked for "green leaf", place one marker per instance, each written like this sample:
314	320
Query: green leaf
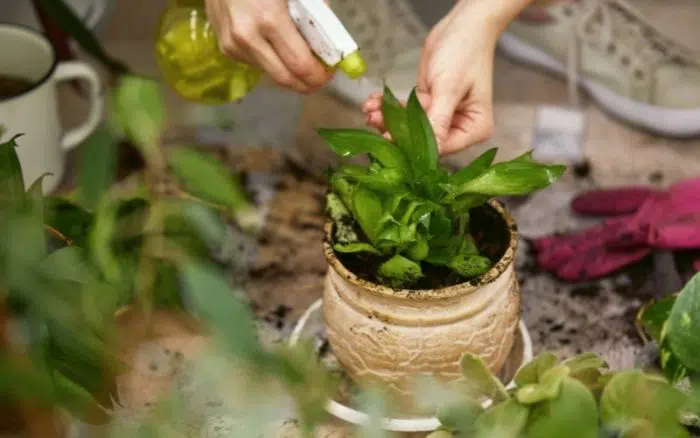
11	179
336	208
69	263
515	177
573	412
461	416
351	142
69	219
389	180
652	316
504	420
398	272
479	382
100	241
684	324
584	362
671	366
98	166
396	121
343	231
424	149
631	396
419	250
470	265
213	300
204	176
72	25
547	388
367	209
533	370
205	221
355	247
587	368
464	203
139	109
73	396
639	428
474	169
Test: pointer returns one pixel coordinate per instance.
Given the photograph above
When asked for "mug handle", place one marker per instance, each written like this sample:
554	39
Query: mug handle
69	70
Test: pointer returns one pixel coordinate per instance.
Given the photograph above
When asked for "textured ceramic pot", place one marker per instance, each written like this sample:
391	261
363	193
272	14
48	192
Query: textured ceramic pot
391	336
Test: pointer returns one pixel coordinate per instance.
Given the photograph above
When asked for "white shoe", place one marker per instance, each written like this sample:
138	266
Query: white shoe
629	67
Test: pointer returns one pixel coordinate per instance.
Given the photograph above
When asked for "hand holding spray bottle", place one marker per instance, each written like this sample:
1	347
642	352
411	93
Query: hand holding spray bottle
192	64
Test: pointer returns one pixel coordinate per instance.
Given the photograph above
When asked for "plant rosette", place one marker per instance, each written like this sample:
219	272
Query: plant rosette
420	260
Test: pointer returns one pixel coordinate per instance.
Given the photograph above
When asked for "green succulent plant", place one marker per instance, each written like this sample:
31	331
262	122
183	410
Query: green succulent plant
405	208
579	395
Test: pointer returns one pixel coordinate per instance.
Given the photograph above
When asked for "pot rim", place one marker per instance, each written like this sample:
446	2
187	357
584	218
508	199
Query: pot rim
465	288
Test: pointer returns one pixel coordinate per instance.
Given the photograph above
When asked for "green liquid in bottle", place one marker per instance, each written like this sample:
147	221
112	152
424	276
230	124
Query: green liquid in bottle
189	58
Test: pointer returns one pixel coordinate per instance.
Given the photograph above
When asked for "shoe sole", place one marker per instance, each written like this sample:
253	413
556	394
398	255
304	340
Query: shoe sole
660	120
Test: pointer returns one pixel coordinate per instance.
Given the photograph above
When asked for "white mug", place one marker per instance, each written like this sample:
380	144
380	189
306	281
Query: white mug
27	54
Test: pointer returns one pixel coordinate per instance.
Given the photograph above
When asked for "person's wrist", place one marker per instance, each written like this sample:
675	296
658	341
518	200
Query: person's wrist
490	17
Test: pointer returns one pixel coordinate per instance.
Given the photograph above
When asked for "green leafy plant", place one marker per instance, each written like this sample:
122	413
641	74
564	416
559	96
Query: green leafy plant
408	211
672	324
579	396
68	265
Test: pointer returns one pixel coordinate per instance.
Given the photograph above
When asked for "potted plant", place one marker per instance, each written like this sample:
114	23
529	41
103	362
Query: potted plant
421	261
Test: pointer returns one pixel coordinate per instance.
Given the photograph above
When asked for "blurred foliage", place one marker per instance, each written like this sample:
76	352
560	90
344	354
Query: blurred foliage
68	264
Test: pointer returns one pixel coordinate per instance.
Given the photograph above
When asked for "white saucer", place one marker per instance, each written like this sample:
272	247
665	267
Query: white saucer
310	325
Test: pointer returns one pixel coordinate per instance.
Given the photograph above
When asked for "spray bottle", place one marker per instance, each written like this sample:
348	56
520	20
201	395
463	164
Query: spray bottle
189	57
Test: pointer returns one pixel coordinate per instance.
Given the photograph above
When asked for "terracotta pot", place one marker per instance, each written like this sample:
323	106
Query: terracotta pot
390	336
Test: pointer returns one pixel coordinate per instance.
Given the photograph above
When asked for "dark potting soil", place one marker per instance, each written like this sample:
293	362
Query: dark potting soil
491	236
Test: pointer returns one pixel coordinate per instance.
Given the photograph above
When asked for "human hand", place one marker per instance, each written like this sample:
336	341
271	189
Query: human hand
455	79
262	33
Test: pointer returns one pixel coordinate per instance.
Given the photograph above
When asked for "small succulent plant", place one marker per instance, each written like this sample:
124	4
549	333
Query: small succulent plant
579	396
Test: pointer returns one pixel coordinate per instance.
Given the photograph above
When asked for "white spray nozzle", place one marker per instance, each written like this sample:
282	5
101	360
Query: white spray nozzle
324	32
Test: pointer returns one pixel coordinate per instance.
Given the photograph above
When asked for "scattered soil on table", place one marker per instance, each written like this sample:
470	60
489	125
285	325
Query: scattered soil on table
289	268
490	235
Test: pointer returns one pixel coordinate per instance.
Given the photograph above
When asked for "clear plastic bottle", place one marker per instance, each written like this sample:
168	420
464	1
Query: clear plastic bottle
190	60
191	63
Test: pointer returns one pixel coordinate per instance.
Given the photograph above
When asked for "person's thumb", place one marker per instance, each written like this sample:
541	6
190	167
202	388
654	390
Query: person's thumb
441	111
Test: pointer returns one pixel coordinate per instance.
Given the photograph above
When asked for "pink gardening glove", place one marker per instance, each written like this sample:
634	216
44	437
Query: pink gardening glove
644	219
